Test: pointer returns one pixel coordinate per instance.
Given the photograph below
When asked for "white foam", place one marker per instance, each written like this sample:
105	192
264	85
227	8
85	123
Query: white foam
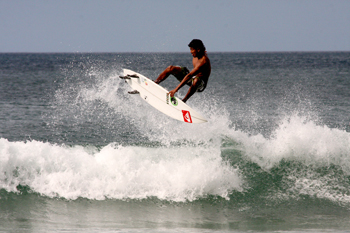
299	139
176	174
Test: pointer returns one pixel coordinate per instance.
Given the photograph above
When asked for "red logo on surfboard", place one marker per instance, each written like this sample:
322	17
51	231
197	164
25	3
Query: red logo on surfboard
187	116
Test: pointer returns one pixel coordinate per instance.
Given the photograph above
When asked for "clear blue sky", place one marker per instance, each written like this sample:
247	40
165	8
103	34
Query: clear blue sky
169	25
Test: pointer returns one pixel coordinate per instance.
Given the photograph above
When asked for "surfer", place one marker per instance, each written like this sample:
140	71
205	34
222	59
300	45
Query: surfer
197	78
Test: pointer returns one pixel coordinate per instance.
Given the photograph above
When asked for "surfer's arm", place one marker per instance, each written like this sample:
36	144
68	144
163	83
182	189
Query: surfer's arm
183	82
192	73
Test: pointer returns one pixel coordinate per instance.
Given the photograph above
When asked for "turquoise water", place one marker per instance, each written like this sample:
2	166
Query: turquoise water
78	154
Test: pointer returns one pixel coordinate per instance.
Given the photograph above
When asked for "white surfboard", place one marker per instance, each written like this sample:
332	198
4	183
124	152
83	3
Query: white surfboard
158	97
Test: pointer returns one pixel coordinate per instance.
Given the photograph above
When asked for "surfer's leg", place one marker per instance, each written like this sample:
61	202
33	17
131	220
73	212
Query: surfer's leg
193	88
174	70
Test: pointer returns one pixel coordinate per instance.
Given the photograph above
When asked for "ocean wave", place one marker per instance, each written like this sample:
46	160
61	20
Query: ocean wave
116	172
300	159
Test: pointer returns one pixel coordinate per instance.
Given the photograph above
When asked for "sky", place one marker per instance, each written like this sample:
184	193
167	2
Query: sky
169	25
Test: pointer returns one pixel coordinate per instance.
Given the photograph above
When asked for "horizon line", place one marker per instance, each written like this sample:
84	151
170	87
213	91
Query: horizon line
286	51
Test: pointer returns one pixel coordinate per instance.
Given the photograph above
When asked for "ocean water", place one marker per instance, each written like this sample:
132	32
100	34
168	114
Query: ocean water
79	154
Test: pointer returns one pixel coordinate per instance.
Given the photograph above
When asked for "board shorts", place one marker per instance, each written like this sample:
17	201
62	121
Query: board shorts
184	72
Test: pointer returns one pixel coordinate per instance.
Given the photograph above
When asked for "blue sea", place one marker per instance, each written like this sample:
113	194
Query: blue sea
79	154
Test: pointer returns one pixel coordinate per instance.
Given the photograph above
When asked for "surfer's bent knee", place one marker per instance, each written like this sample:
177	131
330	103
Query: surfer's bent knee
174	70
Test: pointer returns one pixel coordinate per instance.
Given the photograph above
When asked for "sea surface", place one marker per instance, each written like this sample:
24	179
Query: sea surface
79	154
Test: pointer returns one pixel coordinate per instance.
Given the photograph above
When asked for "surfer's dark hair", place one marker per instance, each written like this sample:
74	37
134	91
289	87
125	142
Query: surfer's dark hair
197	44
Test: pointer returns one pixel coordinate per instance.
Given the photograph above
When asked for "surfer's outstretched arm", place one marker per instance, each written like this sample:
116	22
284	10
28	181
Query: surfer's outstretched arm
182	83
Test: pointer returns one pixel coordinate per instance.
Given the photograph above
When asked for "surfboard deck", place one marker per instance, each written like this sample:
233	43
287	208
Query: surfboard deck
158	97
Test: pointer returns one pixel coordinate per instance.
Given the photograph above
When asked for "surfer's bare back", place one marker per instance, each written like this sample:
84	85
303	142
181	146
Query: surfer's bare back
197	78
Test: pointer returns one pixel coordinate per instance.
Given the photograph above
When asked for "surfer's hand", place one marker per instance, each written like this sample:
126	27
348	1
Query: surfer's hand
172	93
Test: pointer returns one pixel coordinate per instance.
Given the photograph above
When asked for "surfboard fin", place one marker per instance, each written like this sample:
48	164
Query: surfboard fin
133	92
129	76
